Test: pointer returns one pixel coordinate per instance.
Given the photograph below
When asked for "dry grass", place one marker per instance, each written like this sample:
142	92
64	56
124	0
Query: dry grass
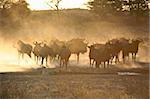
75	83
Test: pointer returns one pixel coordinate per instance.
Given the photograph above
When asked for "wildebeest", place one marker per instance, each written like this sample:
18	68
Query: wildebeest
23	48
36	50
56	46
93	51
41	50
77	46
129	46
115	48
134	46
64	56
44	52
125	48
100	55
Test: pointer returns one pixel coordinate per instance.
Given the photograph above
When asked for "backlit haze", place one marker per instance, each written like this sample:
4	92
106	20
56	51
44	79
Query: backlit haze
64	4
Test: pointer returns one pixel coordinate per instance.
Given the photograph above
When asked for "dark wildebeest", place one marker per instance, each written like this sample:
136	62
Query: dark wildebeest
64	56
93	51
100	55
129	46
77	46
23	48
115	48
134	47
125	48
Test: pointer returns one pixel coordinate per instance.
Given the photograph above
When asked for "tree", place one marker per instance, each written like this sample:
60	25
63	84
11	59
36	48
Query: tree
137	7
5	4
20	9
104	7
12	14
8	8
54	4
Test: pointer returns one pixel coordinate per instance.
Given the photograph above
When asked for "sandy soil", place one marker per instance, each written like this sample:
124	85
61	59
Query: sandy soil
77	83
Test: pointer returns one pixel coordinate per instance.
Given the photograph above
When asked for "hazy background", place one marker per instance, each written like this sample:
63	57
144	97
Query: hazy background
31	26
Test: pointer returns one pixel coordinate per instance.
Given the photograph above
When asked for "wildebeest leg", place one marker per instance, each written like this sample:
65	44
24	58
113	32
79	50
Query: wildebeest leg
19	57
22	56
132	56
97	64
111	60
58	57
93	63
60	62
66	63
29	54
78	57
90	62
123	57
42	61
117	58
46	61
108	63
128	57
100	64
34	57
50	59
37	59
104	64
63	62
135	56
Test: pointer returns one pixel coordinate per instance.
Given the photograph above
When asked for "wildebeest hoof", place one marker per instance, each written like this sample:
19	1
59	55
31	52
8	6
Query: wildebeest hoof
43	67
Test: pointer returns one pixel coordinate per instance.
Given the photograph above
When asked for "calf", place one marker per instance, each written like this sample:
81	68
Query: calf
23	48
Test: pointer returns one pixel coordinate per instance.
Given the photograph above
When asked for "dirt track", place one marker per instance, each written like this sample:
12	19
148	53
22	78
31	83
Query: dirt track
76	83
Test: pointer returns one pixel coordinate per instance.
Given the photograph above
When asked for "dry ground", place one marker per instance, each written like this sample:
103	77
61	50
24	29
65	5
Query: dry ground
76	83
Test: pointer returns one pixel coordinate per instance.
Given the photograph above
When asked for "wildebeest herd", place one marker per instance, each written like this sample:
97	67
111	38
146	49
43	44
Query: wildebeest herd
99	54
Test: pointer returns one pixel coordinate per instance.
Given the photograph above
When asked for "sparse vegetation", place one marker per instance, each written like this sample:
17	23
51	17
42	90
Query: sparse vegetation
77	83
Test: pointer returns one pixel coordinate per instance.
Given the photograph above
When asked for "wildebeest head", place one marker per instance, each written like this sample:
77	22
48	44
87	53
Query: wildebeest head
137	41
19	42
91	47
29	54
37	43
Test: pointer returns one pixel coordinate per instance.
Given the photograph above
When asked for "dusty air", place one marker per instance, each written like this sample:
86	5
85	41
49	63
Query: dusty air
74	49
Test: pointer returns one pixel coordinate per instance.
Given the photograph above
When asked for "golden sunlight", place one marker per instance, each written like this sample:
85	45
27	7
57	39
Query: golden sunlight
64	4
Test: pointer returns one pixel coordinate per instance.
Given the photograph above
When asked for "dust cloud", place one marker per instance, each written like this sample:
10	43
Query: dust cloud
47	25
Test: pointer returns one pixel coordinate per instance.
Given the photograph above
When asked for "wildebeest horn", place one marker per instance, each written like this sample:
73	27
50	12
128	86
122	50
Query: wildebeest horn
35	42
